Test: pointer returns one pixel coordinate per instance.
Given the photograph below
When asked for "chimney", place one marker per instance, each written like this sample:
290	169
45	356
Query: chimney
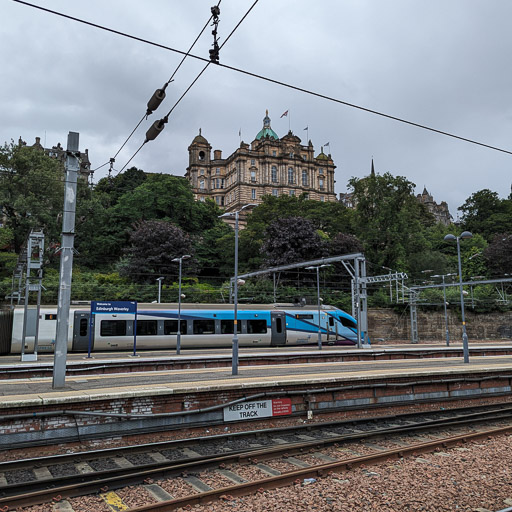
217	154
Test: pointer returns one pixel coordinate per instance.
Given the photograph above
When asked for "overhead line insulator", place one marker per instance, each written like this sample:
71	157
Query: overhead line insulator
155	129
156	99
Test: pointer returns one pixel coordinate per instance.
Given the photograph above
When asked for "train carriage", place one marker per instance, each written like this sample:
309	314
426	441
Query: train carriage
201	326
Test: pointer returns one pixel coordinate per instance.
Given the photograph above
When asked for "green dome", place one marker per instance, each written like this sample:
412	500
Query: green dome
266	131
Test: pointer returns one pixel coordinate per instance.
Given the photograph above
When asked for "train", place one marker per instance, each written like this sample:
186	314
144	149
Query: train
201	326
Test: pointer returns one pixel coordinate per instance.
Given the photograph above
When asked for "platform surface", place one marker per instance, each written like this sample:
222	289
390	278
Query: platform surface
84	388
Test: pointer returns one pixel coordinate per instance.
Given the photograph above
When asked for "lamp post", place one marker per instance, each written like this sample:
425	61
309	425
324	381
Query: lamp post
319	300
159	279
445	310
451	238
234	354
178	335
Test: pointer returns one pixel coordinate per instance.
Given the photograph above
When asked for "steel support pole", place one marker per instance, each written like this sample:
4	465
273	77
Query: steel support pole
178	337
234	356
465	347
446	315
66	262
319	312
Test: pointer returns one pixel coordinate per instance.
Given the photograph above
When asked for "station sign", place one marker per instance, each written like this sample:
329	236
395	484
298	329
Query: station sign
117	307
258	409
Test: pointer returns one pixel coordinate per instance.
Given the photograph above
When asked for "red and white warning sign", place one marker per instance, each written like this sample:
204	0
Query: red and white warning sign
258	409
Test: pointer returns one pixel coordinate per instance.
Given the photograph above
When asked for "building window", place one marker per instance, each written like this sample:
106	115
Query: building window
274	153
291	177
306	195
253	162
253	176
322	198
321	183
274	174
201	172
291	155
292	193
320	171
253	193
305	177
217	171
201	184
275	192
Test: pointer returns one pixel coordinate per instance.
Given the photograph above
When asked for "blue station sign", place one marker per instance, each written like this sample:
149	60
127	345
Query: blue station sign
117	307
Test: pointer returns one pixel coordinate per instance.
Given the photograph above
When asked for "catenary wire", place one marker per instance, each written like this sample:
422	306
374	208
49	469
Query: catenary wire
271	80
168	82
197	77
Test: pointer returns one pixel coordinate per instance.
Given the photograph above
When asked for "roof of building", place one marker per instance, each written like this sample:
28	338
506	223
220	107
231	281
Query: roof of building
199	139
266	131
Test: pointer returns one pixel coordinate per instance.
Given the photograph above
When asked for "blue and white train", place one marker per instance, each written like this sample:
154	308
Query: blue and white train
201	326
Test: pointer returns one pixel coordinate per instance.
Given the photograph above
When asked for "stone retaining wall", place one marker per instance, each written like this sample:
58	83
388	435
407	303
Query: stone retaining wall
386	324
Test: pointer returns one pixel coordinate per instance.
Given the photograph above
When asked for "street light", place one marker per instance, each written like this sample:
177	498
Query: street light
234	355
159	279
178	336
451	238
319	300
445	311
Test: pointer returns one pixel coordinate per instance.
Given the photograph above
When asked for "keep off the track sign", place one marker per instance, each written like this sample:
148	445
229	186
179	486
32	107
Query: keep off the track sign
258	409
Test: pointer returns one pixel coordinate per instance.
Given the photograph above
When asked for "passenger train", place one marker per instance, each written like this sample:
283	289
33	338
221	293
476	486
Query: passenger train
201	326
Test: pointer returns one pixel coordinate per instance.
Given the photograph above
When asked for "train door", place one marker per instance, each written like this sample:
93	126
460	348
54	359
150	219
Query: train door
278	321
81	332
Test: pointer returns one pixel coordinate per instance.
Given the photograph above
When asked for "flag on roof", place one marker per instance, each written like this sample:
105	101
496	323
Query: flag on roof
327	144
307	127
284	114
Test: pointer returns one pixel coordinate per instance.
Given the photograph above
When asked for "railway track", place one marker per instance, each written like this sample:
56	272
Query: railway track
64	476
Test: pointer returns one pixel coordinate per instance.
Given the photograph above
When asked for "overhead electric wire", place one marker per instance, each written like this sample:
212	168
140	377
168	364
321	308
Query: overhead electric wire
271	80
199	75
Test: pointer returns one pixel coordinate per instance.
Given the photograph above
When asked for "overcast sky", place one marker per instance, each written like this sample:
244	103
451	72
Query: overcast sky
441	63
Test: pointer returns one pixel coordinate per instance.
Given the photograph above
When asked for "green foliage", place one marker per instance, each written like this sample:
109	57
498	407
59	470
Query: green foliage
8	262
486	214
31	192
389	220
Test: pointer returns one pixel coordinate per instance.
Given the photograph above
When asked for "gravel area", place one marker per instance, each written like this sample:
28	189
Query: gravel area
472	478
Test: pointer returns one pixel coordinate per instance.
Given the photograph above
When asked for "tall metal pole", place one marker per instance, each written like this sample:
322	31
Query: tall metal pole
178	337
66	262
318	295
234	357
446	315
465	347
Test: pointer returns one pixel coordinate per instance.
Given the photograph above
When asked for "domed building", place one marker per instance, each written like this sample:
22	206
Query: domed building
269	165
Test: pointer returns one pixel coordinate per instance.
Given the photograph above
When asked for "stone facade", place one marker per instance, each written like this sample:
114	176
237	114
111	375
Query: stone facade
439	211
268	166
59	153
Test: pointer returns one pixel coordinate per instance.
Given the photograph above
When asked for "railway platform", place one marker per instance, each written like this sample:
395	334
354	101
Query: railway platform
109	396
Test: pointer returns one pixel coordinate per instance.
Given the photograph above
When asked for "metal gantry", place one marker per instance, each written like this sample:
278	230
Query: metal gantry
27	277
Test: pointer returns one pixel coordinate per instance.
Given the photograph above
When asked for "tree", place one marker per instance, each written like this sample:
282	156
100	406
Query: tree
498	254
31	192
291	240
389	219
485	213
114	187
153	246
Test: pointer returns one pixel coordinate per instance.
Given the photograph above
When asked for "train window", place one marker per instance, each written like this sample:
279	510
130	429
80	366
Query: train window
347	322
256	326
147	327
83	326
304	317
171	327
331	321
50	316
279	325
204	326
227	326
113	328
